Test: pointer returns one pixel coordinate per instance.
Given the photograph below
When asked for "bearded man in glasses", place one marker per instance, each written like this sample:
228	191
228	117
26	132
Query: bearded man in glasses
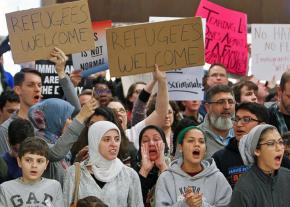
217	125
228	160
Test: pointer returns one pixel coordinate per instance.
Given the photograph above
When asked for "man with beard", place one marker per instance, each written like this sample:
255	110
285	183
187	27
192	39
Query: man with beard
280	112
217	125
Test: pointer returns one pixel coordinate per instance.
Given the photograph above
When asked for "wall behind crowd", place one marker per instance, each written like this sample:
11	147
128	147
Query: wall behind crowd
258	11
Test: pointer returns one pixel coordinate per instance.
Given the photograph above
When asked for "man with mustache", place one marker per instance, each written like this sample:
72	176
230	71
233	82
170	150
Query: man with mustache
217	125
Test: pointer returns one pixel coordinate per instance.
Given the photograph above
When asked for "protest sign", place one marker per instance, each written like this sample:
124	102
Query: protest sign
97	56
50	83
34	32
185	84
270	50
170	44
226	37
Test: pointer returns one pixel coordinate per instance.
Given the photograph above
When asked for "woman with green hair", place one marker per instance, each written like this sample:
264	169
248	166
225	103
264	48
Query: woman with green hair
190	180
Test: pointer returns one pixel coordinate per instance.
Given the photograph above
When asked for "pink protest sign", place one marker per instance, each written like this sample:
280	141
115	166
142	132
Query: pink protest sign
226	36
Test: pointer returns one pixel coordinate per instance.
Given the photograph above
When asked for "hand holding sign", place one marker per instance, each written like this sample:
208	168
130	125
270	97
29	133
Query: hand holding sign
59	59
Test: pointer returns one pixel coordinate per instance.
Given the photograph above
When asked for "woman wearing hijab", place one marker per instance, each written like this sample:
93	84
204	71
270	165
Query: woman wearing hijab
190	180
152	159
50	117
266	184
103	175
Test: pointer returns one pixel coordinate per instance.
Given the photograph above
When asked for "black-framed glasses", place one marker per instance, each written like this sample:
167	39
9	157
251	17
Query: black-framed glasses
244	120
274	143
223	102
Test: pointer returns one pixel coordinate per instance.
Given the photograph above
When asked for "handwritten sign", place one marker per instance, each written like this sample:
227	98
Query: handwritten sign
270	50
185	84
226	36
97	56
171	44
34	32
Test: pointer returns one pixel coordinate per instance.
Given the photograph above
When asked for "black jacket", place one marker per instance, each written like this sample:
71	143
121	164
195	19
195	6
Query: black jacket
230	163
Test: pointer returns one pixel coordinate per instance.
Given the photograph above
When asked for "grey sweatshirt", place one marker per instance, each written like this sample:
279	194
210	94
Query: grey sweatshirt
15	193
172	183
123	191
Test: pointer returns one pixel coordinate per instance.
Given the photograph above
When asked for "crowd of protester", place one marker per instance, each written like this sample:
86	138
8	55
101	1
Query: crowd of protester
100	148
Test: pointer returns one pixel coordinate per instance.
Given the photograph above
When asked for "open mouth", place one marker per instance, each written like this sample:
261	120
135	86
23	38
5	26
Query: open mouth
196	153
278	158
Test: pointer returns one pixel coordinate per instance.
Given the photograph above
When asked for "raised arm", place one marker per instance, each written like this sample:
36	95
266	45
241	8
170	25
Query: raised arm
59	58
139	108
157	117
72	132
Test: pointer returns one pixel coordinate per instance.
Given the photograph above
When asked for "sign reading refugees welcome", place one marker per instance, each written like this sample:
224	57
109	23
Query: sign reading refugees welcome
170	44
34	32
226	36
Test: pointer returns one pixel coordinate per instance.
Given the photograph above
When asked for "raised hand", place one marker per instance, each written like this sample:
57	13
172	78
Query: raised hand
160	161
82	155
59	58
87	110
159	75
146	163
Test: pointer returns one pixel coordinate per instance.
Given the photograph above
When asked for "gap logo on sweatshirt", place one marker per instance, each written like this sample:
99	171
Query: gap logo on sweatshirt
30	201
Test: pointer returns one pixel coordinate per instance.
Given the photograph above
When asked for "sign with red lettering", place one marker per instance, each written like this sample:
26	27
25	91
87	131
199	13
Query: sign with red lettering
170	44
226	37
270	50
34	32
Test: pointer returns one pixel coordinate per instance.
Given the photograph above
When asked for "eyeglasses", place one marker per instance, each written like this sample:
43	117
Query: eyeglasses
222	102
273	143
244	120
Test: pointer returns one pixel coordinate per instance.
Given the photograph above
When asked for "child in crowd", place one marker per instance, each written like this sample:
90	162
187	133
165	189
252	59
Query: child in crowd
18	130
31	189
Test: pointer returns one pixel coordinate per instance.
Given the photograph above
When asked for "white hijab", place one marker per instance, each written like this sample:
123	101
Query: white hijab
103	169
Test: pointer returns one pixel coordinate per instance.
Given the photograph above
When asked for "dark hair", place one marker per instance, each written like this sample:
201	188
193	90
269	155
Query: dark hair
8	96
131	90
216	64
259	110
102	80
217	89
174	106
284	79
90	201
183	123
20	76
18	130
261	138
33	145
160	131
238	87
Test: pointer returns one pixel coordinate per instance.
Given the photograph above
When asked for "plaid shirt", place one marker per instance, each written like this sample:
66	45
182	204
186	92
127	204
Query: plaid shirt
280	121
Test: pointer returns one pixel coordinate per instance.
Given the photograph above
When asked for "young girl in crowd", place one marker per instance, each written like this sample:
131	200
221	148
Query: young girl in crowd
152	159
266	183
103	175
190	180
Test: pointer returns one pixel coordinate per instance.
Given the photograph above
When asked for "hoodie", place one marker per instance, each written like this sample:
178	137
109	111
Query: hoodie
172	183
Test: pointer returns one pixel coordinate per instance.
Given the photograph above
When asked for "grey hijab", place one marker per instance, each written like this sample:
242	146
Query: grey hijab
249	142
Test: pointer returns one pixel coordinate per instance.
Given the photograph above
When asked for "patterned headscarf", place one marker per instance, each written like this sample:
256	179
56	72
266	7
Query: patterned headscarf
49	117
